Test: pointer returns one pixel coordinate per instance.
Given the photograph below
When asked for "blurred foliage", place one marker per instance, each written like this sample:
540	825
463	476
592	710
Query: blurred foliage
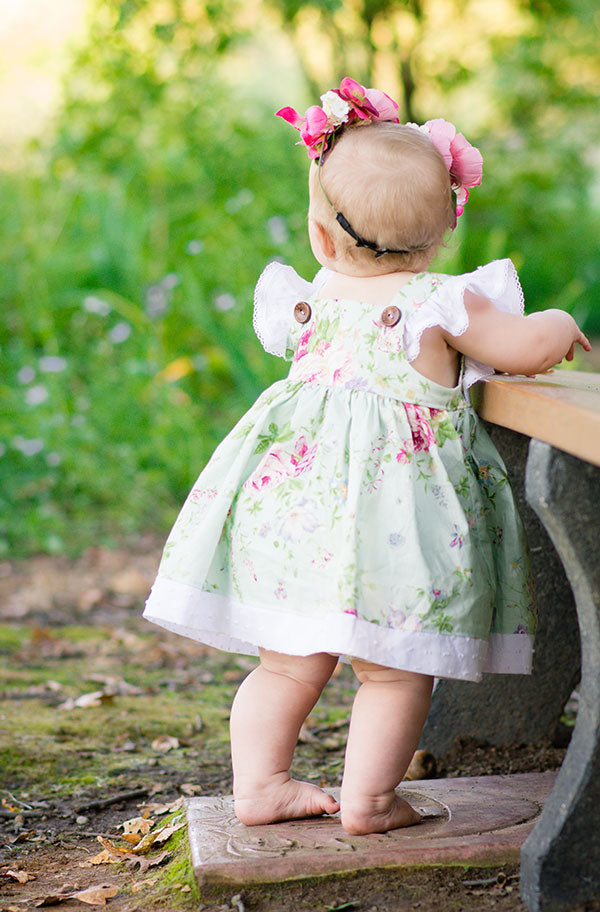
131	243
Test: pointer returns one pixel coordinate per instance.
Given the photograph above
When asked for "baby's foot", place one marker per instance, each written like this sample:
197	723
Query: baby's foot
377	814
287	800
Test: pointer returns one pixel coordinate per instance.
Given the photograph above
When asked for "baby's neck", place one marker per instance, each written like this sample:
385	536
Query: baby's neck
363	287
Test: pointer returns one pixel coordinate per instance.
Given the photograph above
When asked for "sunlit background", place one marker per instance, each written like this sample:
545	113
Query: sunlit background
144	184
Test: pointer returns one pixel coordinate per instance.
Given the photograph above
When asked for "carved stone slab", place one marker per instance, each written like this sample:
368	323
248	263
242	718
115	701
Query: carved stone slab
483	819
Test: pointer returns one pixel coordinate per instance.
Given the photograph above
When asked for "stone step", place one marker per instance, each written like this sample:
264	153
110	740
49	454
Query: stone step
478	820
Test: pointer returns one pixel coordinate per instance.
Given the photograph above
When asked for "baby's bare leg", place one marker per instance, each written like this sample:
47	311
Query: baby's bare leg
388	714
268	710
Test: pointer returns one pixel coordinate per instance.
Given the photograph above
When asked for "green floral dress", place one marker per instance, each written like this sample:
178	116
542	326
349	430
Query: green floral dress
358	508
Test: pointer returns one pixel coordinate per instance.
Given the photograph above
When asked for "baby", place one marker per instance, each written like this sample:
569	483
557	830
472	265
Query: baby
376	522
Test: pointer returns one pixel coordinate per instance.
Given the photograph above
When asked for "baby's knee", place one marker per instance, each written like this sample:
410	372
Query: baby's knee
382	674
314	670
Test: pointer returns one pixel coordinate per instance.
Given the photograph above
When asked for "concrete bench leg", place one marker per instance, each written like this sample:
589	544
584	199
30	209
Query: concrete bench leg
508	709
560	861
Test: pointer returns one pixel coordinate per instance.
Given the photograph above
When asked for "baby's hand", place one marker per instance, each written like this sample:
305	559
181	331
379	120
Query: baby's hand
581	340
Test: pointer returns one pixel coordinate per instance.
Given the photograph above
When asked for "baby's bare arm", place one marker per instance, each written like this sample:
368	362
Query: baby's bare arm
515	344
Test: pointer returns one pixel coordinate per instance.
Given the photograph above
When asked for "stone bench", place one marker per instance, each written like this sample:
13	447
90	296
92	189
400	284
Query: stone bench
548	431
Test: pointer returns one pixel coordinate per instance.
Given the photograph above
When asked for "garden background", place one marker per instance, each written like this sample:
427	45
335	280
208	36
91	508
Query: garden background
144	184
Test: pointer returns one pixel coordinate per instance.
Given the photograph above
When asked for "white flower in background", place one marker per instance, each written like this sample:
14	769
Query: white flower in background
27	447
26	375
225	301
157	300
52	364
35	395
95	305
278	229
82	403
53	460
194	247
336	108
2	449
243	198
120	332
78	420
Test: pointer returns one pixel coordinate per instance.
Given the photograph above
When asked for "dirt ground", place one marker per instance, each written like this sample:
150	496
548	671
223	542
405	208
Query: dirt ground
104	719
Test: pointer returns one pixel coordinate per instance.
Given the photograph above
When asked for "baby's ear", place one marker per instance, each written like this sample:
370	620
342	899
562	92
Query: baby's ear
323	239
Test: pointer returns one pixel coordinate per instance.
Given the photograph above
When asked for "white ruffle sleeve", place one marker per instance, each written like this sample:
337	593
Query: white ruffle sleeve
278	290
497	281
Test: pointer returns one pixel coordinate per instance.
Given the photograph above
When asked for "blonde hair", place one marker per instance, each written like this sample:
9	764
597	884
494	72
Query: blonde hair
393	186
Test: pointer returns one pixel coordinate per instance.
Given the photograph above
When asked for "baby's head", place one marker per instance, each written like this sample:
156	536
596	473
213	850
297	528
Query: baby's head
391	183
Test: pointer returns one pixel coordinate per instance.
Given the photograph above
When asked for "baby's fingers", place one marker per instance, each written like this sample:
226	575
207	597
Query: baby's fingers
584	342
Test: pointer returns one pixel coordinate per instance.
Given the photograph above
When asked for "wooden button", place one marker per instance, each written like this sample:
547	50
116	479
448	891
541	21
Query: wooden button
391	315
302	312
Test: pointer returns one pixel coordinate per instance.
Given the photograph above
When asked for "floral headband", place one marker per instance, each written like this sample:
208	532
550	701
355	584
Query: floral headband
353	104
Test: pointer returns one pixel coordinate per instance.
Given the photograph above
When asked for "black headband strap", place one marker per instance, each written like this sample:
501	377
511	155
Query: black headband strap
360	242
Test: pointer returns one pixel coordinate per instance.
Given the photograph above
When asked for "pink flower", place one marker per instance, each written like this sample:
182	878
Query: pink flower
270	470
462	159
402	456
422	432
355	104
302	458
302	349
356	96
313	127
387	108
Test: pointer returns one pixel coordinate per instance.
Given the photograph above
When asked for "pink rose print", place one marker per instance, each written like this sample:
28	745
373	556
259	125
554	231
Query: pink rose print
403	456
422	432
269	472
302	349
302	458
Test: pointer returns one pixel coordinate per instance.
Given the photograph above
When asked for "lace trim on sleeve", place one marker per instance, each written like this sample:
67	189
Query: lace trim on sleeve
278	290
497	281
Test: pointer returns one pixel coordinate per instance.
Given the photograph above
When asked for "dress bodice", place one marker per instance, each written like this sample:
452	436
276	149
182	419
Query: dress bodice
352	345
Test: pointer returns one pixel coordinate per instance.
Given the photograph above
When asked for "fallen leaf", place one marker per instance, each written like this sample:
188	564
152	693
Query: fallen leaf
95	896
105	857
190	788
159	809
146	862
166	832
23	877
87	701
110	847
141	825
422	766
132	838
10	807
165	743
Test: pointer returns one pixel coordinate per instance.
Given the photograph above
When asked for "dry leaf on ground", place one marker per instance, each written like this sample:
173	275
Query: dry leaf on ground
190	788
165	743
87	701
141	825
160	809
96	896
22	877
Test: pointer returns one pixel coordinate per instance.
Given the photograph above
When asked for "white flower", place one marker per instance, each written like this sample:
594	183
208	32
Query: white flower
225	301
120	332
52	364
95	305
336	108
26	375
36	394
27	447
